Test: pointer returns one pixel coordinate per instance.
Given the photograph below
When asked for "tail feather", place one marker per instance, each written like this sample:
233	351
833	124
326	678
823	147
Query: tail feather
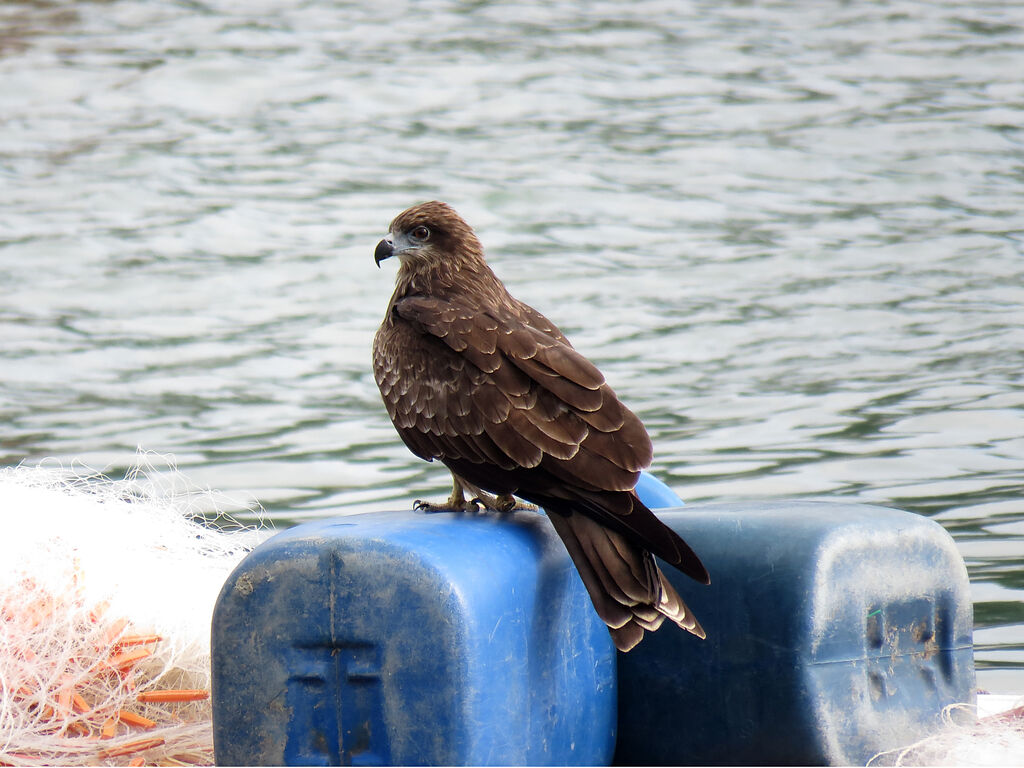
628	637
628	515
621	574
612	611
628	590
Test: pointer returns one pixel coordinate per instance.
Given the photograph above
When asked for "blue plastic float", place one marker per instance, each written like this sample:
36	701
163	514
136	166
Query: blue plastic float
835	631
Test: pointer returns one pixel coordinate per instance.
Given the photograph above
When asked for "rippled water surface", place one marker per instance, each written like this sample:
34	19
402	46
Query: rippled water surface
790	233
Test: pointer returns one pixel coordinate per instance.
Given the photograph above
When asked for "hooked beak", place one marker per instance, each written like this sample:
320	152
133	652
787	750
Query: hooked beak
385	250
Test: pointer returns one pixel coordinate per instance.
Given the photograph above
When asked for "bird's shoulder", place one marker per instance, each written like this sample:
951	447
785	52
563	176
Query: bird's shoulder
498	382
535	319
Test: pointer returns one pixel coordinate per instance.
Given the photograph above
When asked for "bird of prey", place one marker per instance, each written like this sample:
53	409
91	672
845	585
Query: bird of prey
490	387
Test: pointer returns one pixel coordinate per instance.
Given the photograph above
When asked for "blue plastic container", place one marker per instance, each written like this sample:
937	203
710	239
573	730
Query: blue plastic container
411	638
835	631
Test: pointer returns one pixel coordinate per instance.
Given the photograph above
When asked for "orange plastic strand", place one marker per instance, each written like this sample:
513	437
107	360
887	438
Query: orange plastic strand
170	695
64	702
79	729
79	704
76	577
130	718
116	629
124	660
99	611
1008	716
109	728
130	748
137	762
128	640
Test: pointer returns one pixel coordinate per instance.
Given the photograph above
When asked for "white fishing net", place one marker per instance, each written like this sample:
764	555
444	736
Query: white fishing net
966	739
107	588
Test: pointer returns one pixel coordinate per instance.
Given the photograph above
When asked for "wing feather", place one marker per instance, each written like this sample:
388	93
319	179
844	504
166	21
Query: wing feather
574	395
612	447
514	444
523	386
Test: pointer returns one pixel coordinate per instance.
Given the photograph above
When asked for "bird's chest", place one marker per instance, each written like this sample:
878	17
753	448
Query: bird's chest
409	366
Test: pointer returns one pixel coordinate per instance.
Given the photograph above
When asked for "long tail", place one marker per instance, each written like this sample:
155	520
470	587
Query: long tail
629	591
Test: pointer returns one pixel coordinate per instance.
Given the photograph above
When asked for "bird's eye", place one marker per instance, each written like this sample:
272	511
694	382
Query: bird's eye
421	233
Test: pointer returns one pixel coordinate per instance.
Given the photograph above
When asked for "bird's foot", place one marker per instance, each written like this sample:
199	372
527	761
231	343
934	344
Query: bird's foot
473	505
505	502
480	501
455	503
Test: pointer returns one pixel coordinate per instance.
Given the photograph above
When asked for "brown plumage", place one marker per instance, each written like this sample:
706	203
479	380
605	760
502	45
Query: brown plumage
490	387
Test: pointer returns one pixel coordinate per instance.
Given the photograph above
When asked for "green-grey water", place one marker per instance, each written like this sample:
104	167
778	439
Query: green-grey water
790	233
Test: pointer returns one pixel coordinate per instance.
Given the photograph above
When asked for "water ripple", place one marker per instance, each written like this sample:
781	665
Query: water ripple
790	234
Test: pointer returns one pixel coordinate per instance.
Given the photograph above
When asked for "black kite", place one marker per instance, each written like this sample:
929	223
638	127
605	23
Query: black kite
490	387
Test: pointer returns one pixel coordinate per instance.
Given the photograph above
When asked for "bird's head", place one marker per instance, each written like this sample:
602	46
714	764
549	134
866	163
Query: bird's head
429	236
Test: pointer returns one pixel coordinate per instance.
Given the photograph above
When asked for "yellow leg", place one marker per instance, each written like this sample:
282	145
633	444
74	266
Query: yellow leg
504	502
455	503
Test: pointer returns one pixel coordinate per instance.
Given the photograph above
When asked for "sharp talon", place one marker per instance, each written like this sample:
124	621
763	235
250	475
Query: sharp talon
478	505
430	507
509	503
